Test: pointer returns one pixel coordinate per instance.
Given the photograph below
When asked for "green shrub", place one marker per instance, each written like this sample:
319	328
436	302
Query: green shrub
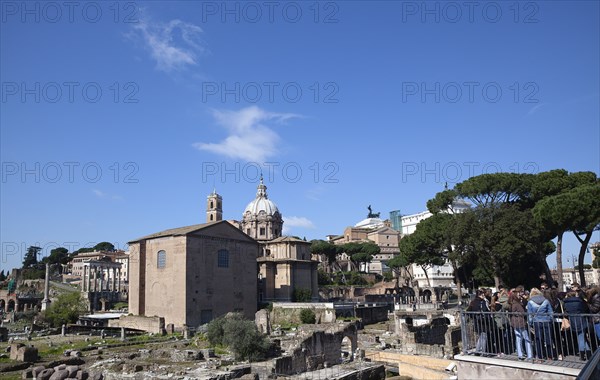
240	335
66	309
302	295
307	316
324	278
388	276
121	305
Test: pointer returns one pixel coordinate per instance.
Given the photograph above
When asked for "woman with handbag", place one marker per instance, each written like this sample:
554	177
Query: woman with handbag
519	325
574	305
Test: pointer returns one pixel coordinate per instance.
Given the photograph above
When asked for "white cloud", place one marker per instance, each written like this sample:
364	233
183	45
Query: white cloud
249	138
173	45
102	195
296	221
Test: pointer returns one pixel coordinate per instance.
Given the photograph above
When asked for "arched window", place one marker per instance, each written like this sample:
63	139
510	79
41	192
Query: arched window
223	258
211	217
161	259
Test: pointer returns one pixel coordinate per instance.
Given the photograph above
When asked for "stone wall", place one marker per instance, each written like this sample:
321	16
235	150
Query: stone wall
289	312
155	325
372	314
3	334
474	367
22	353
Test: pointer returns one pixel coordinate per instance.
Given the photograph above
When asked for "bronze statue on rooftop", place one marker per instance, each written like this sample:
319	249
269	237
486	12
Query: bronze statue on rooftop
372	214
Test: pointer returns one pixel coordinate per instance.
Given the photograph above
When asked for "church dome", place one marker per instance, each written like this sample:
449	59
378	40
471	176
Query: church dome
261	202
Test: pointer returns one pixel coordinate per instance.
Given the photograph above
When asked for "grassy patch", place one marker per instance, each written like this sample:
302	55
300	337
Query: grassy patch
285	325
9	376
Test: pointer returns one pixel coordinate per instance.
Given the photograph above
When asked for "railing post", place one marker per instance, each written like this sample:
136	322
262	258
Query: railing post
463	330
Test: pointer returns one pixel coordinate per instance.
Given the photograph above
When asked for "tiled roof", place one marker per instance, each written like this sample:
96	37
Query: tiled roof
176	231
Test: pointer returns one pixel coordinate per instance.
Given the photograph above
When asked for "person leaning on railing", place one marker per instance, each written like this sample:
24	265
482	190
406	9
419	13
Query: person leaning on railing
539	316
575	305
482	321
517	322
593	298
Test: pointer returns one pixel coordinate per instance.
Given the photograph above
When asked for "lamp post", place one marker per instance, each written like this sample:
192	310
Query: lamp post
573	262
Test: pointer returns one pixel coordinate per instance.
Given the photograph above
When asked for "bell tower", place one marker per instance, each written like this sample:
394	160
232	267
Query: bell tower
214	207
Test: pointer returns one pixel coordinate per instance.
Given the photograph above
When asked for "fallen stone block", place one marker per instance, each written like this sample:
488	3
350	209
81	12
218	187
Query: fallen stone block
36	370
72	369
45	374
27	374
61	374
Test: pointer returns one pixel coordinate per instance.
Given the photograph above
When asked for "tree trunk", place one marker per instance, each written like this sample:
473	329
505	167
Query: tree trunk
426	276
582	250
457	280
559	268
549	278
496	281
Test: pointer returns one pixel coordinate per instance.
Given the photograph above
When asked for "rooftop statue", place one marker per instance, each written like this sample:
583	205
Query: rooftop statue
372	214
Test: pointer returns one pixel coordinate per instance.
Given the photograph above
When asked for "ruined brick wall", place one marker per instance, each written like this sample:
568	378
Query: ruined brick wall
316	348
436	338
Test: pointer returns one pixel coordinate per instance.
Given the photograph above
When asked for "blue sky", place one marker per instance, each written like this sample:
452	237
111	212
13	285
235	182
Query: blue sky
118	119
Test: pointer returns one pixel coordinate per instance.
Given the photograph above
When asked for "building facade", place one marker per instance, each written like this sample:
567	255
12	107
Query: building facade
285	266
191	275
78	262
437	275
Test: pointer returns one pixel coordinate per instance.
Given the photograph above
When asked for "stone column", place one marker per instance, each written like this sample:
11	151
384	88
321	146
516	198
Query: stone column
95	278
315	282
89	278
118	279
102	284
46	300
114	281
83	280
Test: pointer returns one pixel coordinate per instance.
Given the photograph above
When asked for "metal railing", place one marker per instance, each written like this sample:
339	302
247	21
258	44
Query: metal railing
543	338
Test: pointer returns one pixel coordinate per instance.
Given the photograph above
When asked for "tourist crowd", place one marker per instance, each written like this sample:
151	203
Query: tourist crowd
537	325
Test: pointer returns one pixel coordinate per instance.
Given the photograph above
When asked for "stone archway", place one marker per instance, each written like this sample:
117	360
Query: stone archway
350	333
426	295
2	304
346	348
11	305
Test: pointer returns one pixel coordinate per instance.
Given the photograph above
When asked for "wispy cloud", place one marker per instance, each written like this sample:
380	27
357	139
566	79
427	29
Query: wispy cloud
296	221
535	108
315	193
249	138
102	195
173	45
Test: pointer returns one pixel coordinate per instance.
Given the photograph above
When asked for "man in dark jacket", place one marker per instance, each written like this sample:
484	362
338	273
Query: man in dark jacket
594	303
575	305
481	321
